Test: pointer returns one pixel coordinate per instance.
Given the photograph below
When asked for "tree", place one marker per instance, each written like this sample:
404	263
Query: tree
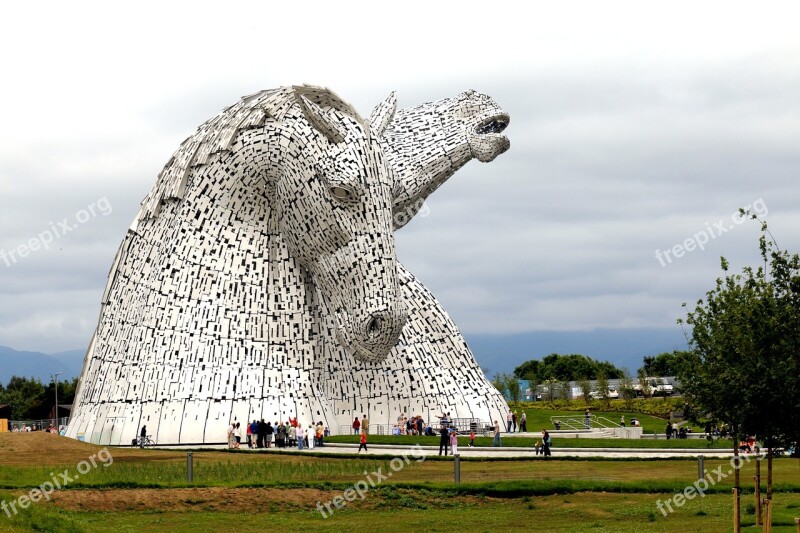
664	364
602	387
26	396
500	384
644	385
566	368
744	366
586	389
513	388
626	390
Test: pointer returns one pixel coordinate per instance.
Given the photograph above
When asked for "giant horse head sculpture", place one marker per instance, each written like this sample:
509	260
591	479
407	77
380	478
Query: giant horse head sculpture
334	201
337	186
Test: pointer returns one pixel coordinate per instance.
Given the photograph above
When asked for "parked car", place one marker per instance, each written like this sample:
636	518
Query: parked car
613	394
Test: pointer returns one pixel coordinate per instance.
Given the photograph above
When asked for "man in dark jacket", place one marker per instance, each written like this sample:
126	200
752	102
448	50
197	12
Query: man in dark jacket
262	433
444	439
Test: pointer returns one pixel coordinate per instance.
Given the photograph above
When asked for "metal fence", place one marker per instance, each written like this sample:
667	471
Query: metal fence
37	425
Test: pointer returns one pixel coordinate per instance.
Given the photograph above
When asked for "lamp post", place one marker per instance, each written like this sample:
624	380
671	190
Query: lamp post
55	381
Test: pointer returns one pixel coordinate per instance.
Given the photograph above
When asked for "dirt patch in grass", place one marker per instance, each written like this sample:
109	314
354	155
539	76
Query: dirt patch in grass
242	500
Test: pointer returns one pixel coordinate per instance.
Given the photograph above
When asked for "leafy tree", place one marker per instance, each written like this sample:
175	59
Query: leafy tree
744	366
627	391
500	384
644	385
566	368
664	364
586	389
602	386
513	388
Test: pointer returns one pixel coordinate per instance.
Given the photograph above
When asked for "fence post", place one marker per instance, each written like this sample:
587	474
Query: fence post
457	467
701	469
757	479
189	467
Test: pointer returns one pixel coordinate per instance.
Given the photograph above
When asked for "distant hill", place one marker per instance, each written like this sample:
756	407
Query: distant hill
625	348
39	365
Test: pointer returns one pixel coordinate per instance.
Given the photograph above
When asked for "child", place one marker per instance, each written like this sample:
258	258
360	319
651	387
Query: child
453	442
538	447
471	439
363	441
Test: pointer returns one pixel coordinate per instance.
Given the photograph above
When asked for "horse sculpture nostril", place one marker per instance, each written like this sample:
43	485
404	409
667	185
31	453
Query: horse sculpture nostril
374	326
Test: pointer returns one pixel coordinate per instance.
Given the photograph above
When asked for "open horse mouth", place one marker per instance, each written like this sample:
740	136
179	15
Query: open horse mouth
486	140
495	124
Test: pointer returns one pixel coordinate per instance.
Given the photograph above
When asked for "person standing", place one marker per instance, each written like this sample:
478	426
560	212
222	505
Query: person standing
588	420
270	430
311	435
230	436
471	439
142	436
356	426
546	443
237	435
262	433
523	423
497	441
320	434
444	439
669	430
362	442
622	421
300	437
508	422
453	442
514	421
365	423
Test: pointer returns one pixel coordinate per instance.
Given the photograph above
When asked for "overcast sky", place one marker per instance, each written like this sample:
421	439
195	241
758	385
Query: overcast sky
633	128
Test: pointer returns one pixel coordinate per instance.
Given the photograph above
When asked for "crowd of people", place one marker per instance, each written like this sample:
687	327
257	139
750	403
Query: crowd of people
261	434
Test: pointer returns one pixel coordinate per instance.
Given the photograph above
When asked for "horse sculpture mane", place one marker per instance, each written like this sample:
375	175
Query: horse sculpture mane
259	278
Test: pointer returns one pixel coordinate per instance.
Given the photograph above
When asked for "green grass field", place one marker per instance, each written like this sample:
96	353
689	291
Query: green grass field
147	490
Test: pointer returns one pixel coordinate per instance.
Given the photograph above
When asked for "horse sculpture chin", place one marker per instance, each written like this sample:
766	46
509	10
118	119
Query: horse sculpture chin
260	281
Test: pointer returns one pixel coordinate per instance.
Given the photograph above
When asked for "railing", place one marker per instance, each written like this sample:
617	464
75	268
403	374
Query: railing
578	423
37	425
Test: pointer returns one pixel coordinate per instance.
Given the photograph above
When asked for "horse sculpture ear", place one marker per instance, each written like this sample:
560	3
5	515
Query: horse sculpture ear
323	121
382	115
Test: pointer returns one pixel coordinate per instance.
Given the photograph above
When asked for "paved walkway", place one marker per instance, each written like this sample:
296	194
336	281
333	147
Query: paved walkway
504	452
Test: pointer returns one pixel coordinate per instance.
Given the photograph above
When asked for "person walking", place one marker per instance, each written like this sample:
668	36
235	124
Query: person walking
508	422
362	443
471	439
497	441
453	442
546	443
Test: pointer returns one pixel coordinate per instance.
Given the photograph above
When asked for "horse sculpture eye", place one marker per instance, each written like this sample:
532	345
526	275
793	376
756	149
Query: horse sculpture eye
340	193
